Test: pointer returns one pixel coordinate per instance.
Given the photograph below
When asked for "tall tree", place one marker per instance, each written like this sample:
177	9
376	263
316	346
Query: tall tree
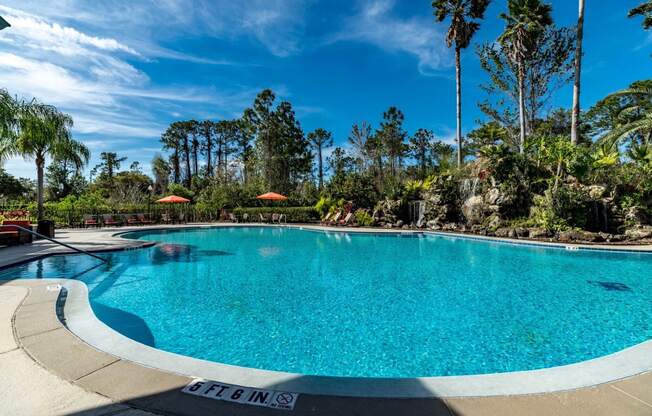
549	67
526	21
110	164
243	142
205	129
420	145
464	16
184	128
360	133
43	131
161	172
392	136
320	139
575	122
171	140
645	10
195	147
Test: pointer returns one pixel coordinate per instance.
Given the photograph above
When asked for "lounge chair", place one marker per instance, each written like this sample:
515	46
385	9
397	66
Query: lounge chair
130	219
282	219
335	219
232	217
165	218
144	220
90	221
182	218
326	218
262	218
275	218
348	220
108	219
245	217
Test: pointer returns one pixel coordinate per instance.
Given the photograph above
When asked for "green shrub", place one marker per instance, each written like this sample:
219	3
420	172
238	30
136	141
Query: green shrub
363	218
292	214
324	205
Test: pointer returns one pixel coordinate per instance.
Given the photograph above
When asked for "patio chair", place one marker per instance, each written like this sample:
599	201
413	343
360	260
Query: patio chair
348	220
245	217
166	218
108	219
324	220
232	217
131	219
282	219
90	221
182	218
144	220
275	218
335	219
263	218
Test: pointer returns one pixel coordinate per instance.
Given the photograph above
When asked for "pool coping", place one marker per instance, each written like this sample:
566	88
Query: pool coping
81	321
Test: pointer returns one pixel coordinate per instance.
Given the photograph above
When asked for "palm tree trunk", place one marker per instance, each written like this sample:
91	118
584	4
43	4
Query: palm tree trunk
578	72
521	107
40	163
458	81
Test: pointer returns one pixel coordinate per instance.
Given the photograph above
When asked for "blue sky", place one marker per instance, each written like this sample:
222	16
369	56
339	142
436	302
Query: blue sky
124	69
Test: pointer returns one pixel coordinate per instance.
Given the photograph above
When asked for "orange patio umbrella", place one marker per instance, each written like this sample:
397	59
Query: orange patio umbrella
272	196
173	199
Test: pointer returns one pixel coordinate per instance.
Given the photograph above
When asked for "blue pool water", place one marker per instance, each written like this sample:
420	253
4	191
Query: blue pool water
365	305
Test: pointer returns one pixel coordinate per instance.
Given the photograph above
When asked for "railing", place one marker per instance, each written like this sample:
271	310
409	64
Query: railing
34	233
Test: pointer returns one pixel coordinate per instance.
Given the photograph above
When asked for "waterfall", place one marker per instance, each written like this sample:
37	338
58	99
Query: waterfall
416	212
468	188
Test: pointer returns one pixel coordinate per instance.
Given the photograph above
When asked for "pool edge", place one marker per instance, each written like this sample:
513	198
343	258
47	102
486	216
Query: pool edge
82	322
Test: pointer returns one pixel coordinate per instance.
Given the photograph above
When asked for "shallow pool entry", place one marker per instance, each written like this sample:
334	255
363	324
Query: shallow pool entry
365	305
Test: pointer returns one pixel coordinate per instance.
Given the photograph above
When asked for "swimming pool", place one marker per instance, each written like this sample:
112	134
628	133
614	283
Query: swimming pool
365	305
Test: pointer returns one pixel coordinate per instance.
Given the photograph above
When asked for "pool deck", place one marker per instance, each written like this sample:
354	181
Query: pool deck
46	369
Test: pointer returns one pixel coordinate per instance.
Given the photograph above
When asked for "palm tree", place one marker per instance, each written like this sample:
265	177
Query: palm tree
526	21
43	131
578	72
464	15
320	139
645	10
641	154
637	119
8	116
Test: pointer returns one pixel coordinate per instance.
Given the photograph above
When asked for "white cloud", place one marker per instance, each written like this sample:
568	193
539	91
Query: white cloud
417	36
276	24
94	78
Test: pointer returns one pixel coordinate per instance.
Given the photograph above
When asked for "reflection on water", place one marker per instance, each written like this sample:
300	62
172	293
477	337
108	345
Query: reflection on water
185	253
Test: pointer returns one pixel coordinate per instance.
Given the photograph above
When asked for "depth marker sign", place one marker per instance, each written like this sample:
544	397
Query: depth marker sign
244	395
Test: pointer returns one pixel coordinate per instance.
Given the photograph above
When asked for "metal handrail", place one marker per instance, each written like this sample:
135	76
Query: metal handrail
56	241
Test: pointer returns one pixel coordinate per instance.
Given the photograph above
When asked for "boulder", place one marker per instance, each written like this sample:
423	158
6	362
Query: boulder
639	233
596	191
473	209
636	216
578	235
539	233
493	197
503	232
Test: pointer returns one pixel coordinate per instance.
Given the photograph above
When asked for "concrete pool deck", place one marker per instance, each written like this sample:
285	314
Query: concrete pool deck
96	381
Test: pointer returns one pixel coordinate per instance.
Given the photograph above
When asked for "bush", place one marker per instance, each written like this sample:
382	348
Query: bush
363	218
292	214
